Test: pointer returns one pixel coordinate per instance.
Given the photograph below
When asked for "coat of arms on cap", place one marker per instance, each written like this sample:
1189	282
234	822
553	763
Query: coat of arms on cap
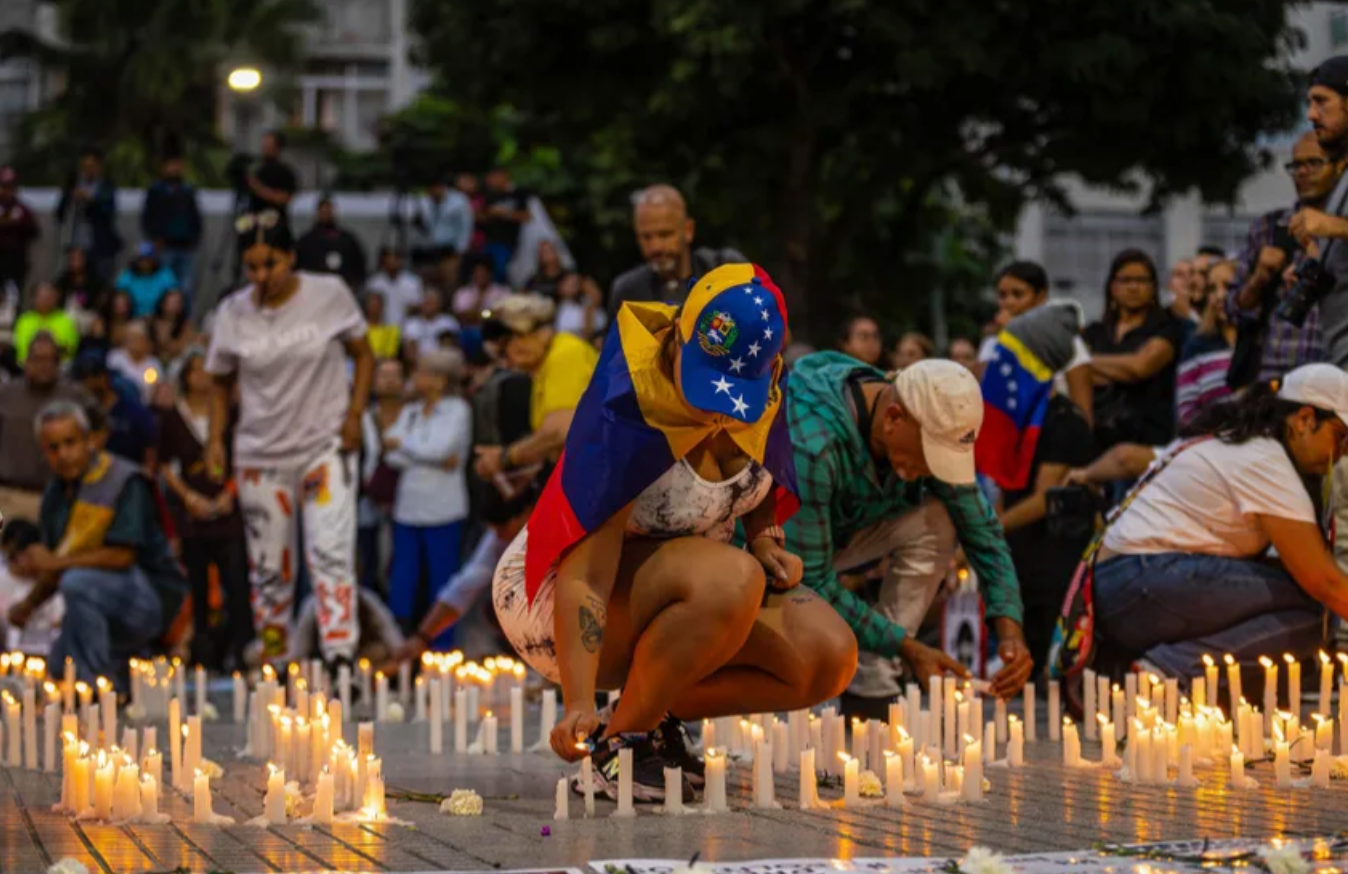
717	332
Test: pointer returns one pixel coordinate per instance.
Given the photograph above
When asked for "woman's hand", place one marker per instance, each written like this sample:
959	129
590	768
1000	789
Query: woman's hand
351	434
576	727
488	463
409	653
199	506
927	662
213	456
784	569
224	502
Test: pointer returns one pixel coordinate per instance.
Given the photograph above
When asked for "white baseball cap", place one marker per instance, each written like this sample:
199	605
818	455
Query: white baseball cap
947	403
1322	386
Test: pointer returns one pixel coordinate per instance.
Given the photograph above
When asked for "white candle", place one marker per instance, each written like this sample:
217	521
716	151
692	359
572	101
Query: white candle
1282	765
1031	723
935	709
30	728
107	702
126	794
1326	684
436	715
421	692
68	686
550	717
1236	777
1343	717
1054	712
192	744
488	731
274	801
405	684
999	718
1130	695
460	720
904	748
1210	683
893	779
1324	733
1233	687
175	737
201	799
972	787
714	793
323	798
1270	692
1171	700
344	686
1320	770
625	808
103	787
948	725
337	729
1293	684
1107	743
154	766
562	801
1015	747
851	781
374	788
1071	744
240	698
79	783
673	787
1186	767
380	697
149	799
1089	708
517	719
199	682
931	781
365	693
809	787
989	742
764	789
51	718
301	756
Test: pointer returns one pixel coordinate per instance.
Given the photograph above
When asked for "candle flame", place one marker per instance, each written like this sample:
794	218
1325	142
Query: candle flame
1287	657
103	684
1318	717
364	664
272	769
1266	662
1067	721
184	731
845	757
1229	660
1324	659
1207	660
81	687
969	740
1102	719
903	734
201	773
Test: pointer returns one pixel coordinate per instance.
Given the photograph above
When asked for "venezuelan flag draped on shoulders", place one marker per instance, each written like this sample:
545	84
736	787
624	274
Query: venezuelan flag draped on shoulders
633	424
1017	384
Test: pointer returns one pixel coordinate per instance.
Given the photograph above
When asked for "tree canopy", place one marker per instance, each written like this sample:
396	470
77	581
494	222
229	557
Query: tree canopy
139	77
859	149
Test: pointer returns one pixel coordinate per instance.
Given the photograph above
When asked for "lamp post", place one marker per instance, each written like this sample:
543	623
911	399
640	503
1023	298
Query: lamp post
243	82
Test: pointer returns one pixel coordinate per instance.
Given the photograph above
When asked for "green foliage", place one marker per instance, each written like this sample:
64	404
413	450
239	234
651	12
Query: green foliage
142	76
834	140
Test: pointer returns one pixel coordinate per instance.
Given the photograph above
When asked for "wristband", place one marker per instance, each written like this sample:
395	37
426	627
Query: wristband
774	532
506	463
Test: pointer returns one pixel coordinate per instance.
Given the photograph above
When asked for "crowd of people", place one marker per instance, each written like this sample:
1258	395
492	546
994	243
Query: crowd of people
624	490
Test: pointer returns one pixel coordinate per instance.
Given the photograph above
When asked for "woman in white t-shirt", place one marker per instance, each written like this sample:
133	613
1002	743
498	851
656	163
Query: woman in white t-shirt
1021	287
1183	569
284	341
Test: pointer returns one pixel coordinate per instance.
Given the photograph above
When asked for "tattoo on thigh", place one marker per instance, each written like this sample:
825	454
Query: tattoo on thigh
592	617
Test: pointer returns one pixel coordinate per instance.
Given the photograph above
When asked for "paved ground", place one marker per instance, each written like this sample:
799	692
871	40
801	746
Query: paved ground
1040	808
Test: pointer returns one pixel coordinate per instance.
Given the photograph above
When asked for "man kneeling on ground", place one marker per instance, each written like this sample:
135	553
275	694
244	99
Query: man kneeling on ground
103	547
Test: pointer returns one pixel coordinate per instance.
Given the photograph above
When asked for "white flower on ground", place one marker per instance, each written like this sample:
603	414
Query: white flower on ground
869	784
1284	860
68	866
463	802
209	713
981	860
396	712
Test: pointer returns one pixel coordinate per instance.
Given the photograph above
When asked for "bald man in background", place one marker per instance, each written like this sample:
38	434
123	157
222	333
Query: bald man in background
665	235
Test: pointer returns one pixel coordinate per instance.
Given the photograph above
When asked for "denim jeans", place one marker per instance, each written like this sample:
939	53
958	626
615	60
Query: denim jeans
421	553
1173	607
109	616
181	262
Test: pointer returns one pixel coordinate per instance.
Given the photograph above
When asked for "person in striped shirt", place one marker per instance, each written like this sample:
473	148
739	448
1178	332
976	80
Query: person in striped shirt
1200	379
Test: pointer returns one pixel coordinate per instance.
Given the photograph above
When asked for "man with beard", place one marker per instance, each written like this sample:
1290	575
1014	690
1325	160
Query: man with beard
665	234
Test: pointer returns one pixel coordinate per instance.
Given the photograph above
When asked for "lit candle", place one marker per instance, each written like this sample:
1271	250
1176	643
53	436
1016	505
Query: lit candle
79	783
517	719
30	727
1293	684
436	714
935	687
1015	747
764	789
809	787
1054	712
374	788
103	786
488	732
931	780
673	786
175	745
323	798
1071	744
126	794
1090	705
199	687
154	766
1108	759
1210	683
1233	688
1270	692
301	755
344	686
851	781
274	801
972	787
50	719
904	748
240	697
893	779
364	666
421	693
1282	765
1236	777
1326	684
1031	722
460	720
587	780
625	808
149	799
562	801
380	697
1324	732
201	799
107	702
999	718
948	724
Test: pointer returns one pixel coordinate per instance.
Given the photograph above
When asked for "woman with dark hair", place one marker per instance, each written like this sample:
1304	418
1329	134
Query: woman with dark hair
209	521
82	289
1133	353
1182	569
912	348
284	340
170	328
1023	286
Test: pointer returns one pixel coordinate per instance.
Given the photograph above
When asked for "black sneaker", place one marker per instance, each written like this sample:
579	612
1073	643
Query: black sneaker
674	745
648	771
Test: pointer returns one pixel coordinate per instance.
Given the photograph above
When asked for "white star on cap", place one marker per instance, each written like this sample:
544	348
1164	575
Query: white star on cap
741	407
1010	403
721	385
748	289
736	365
754	349
765	315
1006	370
767	333
758	301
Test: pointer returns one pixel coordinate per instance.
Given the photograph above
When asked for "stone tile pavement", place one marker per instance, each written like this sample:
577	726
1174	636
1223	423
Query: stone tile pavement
1040	808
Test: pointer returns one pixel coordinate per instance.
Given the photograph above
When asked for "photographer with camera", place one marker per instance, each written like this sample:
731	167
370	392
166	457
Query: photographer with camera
1267	345
1182	568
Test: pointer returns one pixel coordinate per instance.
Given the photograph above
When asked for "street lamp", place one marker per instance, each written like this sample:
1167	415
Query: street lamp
244	79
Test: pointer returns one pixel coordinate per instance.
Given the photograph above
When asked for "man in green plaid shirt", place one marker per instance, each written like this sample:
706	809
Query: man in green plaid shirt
886	469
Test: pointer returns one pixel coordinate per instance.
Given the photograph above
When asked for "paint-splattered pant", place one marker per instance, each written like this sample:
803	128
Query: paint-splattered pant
271	500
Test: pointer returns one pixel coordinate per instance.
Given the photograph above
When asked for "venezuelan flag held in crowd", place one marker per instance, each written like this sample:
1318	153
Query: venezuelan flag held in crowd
1016	389
632	424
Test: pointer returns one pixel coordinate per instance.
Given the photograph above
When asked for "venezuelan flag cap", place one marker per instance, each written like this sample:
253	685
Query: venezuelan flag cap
733	326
